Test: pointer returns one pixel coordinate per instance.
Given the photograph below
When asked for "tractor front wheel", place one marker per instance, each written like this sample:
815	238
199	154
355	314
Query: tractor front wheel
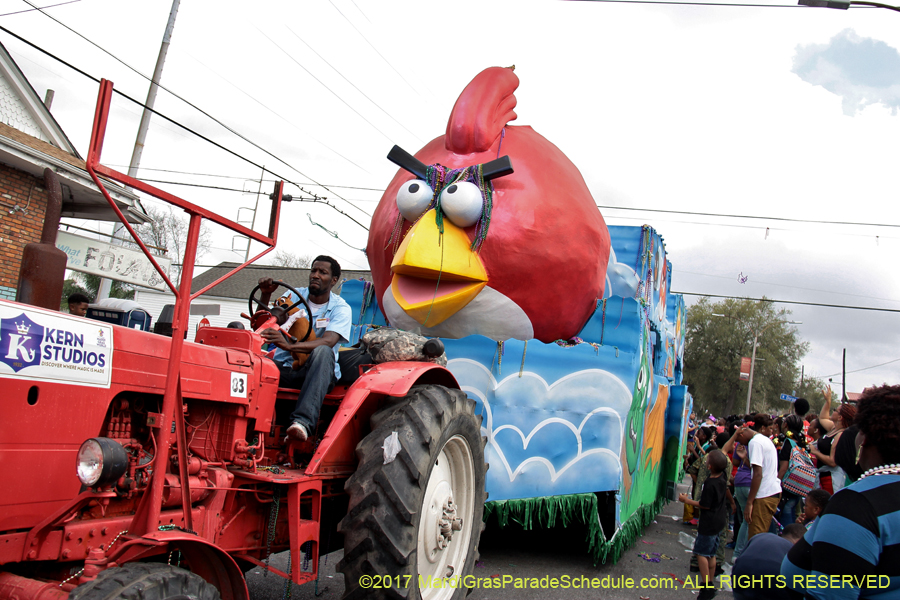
146	581
414	522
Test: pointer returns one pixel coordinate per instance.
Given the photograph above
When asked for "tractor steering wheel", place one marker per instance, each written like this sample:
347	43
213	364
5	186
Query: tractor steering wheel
275	310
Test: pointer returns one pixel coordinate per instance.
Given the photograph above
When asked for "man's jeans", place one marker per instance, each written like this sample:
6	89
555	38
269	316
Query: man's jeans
789	510
741	493
314	379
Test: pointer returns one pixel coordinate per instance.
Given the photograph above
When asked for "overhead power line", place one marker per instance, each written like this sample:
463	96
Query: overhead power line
794	287
283	118
331	185
333	93
737	4
371	45
864	368
891	310
34	8
185	127
191	104
706	214
355	86
360	11
763	228
196	185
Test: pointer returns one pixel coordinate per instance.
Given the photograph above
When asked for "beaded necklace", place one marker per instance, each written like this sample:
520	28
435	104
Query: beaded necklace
438	177
893	469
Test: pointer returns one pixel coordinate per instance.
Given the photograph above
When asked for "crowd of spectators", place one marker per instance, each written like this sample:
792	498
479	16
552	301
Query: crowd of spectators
806	502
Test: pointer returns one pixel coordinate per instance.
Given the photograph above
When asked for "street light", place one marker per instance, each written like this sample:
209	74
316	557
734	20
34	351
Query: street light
844	4
756	334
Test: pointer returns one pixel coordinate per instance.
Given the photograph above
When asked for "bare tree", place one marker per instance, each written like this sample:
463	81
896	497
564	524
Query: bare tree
292	261
167	234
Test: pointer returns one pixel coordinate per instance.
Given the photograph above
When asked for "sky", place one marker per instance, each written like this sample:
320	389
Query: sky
783	113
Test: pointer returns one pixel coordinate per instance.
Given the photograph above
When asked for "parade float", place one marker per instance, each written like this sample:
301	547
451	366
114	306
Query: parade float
562	329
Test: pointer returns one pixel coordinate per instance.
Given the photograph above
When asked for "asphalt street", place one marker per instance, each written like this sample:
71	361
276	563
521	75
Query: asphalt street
509	554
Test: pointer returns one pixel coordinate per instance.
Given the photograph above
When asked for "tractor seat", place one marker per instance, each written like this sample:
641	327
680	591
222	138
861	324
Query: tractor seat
332	398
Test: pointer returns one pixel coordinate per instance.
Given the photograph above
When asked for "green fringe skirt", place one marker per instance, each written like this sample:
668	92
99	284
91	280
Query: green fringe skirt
546	511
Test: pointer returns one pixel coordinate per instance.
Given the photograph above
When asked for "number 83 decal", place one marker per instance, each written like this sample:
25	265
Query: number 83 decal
239	385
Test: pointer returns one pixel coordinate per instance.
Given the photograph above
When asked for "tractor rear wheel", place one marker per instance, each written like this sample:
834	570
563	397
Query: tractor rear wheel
413	524
146	581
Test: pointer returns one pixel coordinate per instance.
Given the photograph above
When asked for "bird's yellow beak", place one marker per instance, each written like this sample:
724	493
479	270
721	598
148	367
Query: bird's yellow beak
435	275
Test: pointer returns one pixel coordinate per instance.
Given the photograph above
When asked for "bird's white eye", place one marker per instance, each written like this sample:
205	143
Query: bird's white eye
461	202
413	198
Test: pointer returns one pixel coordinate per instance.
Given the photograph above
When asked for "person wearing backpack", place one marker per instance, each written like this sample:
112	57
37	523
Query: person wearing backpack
795	469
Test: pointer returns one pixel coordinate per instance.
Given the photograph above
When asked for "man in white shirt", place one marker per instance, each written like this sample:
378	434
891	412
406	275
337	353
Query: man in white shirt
331	319
765	487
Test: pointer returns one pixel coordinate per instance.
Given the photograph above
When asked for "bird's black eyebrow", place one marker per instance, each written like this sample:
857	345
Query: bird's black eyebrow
403	159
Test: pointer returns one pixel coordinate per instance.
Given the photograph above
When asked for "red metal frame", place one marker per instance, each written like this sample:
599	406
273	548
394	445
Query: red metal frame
168	367
147	515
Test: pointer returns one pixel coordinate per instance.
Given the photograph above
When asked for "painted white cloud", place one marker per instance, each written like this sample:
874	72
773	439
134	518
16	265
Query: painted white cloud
863	71
548	439
621	280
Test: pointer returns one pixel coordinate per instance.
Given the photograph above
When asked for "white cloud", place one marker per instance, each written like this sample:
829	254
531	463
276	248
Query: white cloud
863	71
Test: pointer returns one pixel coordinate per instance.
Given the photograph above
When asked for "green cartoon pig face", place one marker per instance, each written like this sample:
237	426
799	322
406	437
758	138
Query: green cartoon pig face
634	429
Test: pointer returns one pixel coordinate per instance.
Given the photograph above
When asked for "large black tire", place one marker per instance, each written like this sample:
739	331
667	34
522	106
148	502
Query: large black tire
392	531
146	581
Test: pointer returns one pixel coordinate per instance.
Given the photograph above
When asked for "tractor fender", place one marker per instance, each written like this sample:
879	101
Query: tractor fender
396	378
385	379
205	558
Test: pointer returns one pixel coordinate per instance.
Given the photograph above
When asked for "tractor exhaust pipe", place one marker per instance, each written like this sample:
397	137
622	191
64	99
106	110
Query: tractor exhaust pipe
43	264
22	588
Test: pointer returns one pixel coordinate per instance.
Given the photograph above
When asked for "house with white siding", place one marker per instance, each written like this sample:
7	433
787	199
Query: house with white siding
31	140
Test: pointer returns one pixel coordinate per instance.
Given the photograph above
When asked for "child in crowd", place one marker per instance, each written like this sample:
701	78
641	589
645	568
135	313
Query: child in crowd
712	519
816	501
703	441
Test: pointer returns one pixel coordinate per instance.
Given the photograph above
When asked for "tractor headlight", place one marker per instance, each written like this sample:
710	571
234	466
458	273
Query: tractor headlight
100	461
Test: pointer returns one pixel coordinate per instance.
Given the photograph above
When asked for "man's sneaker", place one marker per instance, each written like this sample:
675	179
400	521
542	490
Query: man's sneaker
297	431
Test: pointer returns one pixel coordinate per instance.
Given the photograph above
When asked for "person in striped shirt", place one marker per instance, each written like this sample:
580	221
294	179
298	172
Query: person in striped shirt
853	550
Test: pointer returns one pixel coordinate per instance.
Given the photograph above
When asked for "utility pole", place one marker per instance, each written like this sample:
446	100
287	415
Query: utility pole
105	284
752	368
756	333
844	376
256	208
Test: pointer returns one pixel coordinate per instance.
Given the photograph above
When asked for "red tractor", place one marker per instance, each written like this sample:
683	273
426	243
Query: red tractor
182	479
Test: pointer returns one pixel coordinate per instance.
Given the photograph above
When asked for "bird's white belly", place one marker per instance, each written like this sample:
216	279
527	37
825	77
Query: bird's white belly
490	314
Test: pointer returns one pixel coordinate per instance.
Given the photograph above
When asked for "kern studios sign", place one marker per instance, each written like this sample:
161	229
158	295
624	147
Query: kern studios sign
48	346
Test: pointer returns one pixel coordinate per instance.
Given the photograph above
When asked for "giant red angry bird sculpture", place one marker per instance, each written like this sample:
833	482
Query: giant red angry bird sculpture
460	244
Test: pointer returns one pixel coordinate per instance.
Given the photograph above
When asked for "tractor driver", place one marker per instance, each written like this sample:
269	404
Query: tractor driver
331	320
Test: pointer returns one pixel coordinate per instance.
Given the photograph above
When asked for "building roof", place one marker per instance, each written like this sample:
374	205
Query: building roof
241	283
31	140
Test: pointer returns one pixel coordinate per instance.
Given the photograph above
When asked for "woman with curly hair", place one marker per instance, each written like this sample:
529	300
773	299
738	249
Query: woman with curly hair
857	533
793	437
831	476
